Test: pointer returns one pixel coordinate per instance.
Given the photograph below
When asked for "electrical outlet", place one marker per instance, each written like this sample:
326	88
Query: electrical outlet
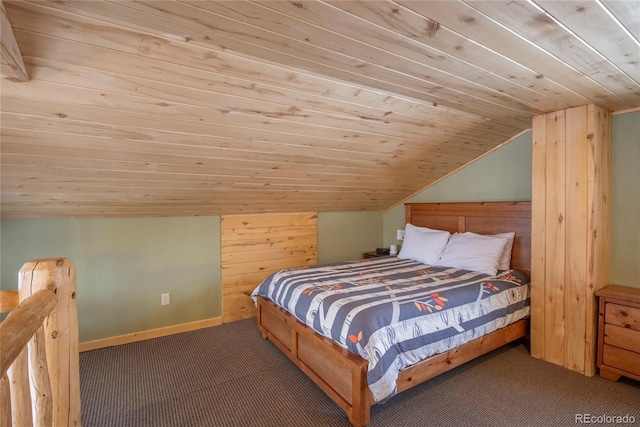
165	299
399	234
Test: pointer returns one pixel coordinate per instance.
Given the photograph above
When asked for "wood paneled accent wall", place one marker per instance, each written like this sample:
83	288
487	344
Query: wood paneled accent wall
570	233
254	246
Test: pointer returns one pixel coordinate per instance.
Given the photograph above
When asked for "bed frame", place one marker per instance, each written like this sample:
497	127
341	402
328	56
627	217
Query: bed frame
342	375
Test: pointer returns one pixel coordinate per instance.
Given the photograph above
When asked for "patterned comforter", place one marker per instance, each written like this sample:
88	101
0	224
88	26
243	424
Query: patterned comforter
395	313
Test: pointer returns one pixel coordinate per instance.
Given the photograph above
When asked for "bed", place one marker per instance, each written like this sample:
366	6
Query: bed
343	374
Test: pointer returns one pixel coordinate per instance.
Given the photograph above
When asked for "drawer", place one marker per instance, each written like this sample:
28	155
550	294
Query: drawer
618	336
620	358
622	315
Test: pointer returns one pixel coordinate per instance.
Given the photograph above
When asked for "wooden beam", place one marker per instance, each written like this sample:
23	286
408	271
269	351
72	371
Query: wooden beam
11	58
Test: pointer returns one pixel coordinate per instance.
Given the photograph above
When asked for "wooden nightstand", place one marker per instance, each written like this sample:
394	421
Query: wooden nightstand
619	332
372	254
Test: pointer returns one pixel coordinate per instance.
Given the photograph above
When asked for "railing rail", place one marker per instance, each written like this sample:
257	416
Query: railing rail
40	382
8	300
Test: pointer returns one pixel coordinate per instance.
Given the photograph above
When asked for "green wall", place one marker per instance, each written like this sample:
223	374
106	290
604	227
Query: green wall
123	265
625	194
346	235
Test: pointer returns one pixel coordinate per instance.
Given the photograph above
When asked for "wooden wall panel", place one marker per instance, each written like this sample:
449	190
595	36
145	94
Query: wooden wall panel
570	248
254	246
577	182
538	234
555	243
599	164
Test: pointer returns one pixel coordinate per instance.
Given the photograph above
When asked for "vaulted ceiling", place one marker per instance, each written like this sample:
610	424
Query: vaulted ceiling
217	107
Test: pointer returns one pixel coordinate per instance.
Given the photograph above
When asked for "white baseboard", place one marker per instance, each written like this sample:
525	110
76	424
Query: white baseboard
149	334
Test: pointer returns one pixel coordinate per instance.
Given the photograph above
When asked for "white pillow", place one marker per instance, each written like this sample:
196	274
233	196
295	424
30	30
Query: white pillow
505	259
423	244
476	252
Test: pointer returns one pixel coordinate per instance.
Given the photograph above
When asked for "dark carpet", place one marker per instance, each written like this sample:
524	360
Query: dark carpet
229	376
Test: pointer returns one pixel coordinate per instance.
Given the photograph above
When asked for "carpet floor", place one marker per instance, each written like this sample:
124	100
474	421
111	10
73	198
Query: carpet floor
229	376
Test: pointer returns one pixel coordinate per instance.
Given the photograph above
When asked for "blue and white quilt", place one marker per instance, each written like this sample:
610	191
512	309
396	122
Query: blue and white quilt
395	312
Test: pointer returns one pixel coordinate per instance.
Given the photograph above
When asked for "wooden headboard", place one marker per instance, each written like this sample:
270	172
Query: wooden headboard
481	218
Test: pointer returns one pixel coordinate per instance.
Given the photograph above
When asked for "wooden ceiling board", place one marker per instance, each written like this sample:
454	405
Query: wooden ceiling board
155	108
626	12
248	90
359	66
184	25
144	128
548	49
449	44
443	65
593	23
258	76
556	38
10	56
433	73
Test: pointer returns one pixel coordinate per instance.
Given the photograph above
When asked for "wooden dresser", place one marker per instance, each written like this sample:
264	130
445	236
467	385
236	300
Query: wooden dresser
619	332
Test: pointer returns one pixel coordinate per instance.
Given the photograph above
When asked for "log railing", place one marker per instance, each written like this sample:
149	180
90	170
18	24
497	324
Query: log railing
40	382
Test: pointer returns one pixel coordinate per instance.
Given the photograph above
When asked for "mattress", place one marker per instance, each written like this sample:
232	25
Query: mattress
396	312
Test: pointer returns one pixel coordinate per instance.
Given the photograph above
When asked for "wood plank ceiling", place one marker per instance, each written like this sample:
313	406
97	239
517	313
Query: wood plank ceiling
152	108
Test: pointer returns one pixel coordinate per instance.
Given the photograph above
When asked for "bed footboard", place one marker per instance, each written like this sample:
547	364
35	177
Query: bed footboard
342	375
339	373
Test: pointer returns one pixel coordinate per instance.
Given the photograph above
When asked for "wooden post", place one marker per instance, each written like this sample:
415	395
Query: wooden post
61	329
570	237
18	375
40	382
5	402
